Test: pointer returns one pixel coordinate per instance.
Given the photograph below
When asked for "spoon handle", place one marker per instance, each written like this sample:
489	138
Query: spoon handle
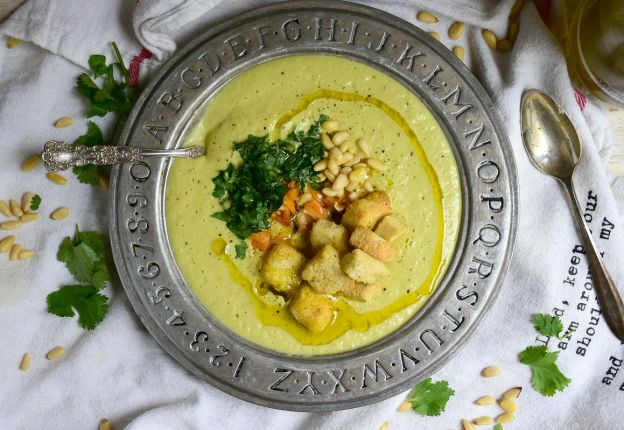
608	295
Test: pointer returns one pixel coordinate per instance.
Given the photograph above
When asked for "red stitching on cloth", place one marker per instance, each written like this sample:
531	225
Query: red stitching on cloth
543	7
581	100
135	64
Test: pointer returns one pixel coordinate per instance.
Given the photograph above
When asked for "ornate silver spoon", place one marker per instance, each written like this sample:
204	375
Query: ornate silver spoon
58	156
554	147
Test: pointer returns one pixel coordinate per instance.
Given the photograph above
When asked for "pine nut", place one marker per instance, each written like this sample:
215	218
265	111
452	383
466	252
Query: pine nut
29	217
459	52
352	149
25	254
435	35
56	178
456	30
15	249
482	421
490	372
341	181
329	192
5	209
330	126
332	166
355	196
335	154
321	177
55	353
358	175
346	157
59	214
405	406
351	187
10	225
368	186
104	181
344	146
376	164
489	37
508	405
363	146
320	166
512	31
516	8
7	243
25	364
105	425
384	426
467	425
360	164
505	418
329	175
326	141
304	198
26	201
66	121
12	42
340	137
485	400
31	162
346	170
352	162
503	45
15	208
428	17
512	393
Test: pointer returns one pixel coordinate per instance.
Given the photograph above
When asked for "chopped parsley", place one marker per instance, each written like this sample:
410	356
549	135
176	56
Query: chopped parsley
35	202
429	398
251	192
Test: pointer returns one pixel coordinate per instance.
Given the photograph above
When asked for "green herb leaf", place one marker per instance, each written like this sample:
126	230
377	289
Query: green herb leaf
241	250
85	257
97	64
546	377
87	174
498	427
547	325
84	299
429	398
35	202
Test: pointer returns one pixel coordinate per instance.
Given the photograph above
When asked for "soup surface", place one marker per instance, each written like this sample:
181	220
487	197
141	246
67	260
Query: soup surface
422	180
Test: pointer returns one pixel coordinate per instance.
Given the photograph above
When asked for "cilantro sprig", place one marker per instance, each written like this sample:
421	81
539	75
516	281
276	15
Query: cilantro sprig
549	325
429	398
35	202
84	256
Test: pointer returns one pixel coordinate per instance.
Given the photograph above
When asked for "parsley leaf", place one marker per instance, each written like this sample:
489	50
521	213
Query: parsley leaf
90	305
546	377
87	174
430	398
84	256
547	325
35	202
241	250
498	427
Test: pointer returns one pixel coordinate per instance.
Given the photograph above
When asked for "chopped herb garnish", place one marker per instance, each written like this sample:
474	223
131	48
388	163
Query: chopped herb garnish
35	202
429	398
241	250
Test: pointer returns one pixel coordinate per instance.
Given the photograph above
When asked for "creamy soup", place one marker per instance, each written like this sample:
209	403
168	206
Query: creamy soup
422	180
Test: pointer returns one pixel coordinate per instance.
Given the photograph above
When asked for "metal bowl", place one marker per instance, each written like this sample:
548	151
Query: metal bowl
157	289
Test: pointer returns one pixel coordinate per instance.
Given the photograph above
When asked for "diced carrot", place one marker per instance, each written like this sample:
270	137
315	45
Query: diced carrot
314	209
282	216
327	201
261	240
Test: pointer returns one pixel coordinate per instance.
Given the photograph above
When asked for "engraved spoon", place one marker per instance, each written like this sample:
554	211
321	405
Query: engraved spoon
59	156
554	147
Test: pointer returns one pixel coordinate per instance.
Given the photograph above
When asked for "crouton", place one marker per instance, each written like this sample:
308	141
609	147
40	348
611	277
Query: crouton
282	266
312	310
367	211
362	292
325	232
299	241
361	267
324	274
390	228
373	244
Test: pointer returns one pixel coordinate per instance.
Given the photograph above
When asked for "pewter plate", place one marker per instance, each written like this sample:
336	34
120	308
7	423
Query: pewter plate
157	289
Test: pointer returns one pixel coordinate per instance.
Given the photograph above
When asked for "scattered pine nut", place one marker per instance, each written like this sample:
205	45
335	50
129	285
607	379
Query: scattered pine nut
428	17
104	181
59	214
516	8
321	165
456	30
5	209
105	425
56	178
405	406
505	418
503	45
363	146
330	126
485	400
29	217
368	186
490	372
340	137
26	201
482	421
467	425
489	37
12	42
31	162
16	209
384	426
459	52
7	243
326	141
508	405
25	254
329	175
55	353
10	225
25	363
512	393
66	121
435	35
512	31
304	198
376	164
15	249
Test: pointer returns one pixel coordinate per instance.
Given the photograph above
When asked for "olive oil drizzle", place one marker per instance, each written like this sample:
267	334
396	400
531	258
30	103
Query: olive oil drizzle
346	317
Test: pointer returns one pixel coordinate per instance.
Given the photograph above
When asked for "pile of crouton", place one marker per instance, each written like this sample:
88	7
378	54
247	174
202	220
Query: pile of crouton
342	259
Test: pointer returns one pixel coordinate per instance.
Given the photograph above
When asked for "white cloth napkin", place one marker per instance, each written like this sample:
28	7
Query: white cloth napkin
119	372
